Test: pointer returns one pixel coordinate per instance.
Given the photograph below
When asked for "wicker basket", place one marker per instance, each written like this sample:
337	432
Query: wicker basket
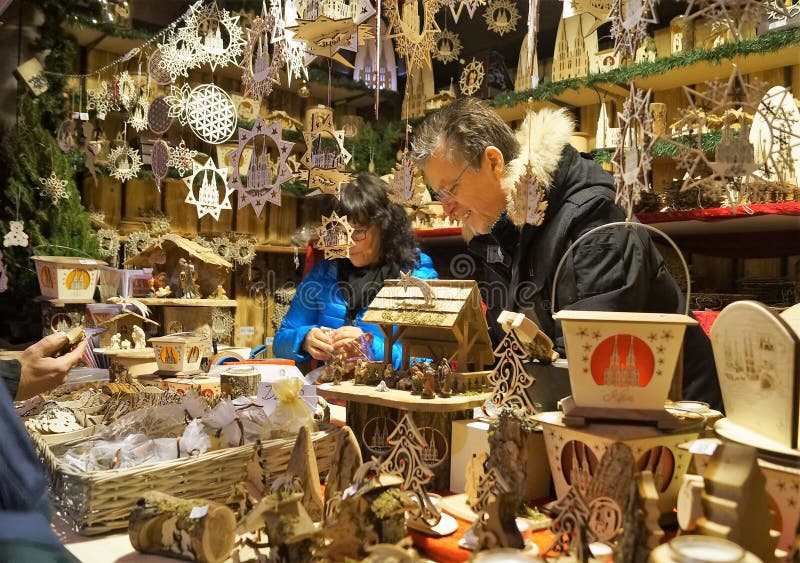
100	501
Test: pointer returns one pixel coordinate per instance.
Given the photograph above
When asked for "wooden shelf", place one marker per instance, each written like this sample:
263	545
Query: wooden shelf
721	220
177	302
402	400
277	248
63	302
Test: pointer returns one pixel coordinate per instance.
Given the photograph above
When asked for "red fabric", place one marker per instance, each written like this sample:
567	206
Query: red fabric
706	319
312	257
433	233
722	213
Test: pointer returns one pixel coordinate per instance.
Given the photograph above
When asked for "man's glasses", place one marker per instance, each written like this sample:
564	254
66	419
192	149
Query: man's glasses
359	233
447	193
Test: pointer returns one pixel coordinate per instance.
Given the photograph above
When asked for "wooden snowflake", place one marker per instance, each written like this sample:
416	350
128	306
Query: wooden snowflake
181	158
335	237
54	187
471	78
208	200
262	185
412	41
260	70
101	100
15	235
448	47
222	323
629	21
108	243
501	16
124	162
633	156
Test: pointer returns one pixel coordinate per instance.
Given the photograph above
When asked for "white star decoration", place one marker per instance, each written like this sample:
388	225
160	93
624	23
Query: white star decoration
633	155
261	186
456	6
54	188
448	47
208	201
335	236
501	16
15	236
124	162
412	41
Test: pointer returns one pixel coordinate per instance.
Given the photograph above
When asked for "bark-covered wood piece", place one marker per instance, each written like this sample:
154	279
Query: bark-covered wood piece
501	523
345	462
291	532
303	467
614	475
195	530
640	530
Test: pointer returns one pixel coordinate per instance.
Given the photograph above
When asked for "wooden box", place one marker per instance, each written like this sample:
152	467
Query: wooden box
178	354
622	362
204	385
575	453
66	277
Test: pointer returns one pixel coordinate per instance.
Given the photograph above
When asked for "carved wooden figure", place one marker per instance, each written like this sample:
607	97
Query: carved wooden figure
345	461
303	466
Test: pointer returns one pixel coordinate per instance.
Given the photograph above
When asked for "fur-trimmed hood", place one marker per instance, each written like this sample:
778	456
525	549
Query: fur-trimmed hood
542	138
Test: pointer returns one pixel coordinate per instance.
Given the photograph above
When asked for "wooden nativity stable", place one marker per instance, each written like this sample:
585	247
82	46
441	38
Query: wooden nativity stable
123	324
448	323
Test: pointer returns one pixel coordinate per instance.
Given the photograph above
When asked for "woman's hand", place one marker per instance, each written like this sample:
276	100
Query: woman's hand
343	337
318	344
41	372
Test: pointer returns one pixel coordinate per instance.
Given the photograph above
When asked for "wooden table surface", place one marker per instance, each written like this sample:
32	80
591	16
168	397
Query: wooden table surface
402	400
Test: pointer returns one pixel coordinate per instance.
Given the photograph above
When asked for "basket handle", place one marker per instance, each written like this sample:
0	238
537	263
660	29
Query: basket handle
631	224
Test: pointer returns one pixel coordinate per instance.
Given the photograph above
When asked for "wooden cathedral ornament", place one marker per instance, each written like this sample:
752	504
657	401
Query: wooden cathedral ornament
260	69
326	157
208	200
335	237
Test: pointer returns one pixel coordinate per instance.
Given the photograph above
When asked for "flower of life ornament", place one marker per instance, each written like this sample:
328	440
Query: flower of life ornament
54	188
413	42
207	109
261	186
208	200
448	47
159	161
124	162
158	119
156	70
471	78
501	16
335	236
260	71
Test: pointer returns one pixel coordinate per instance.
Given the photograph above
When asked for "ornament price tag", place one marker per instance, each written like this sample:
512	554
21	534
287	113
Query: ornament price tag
198	512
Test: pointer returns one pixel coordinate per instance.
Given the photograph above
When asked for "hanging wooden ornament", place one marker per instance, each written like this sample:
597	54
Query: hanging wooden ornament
324	162
177	54
406	186
293	51
214	35
740	17
3	275
260	71
156	70
774	136
208	200
457	6
159	161
363	11
335	237
158	119
222	323
181	158
124	162
376	66
448	47
136	242
101	100
528	65
138	115
108	244
633	156
15	235
67	135
207	109
126	90
530	202
629	21
501	16
54	187
471	78
413	42
262	186
324	36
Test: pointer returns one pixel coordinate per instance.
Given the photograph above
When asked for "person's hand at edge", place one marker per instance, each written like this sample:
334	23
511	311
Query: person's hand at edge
40	371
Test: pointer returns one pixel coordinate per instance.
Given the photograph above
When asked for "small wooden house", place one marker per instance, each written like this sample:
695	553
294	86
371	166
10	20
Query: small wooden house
123	324
450	323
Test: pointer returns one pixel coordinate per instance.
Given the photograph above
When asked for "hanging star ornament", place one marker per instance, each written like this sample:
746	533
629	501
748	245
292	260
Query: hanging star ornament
633	156
210	35
15	236
138	115
629	21
263	185
448	47
471	78
293	50
208	200
412	41
325	165
457	6
54	188
260	71
335	237
741	17
124	162
501	16
101	100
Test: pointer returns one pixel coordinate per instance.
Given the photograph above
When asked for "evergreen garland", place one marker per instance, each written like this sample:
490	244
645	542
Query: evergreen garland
33	153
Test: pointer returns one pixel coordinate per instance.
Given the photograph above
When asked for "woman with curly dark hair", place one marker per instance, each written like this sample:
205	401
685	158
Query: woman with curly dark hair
335	294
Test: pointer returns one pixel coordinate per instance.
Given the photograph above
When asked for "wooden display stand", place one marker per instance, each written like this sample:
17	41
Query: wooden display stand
364	404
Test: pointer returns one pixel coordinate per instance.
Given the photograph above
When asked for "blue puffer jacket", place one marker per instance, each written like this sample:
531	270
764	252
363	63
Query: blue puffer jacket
319	302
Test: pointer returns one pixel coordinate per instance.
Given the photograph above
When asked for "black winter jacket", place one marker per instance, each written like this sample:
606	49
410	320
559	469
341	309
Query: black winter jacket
616	269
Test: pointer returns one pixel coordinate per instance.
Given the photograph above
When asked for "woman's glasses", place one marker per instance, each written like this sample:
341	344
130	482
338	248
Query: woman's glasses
359	233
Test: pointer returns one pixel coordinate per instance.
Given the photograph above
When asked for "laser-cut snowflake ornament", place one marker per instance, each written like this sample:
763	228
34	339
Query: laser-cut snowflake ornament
181	158
633	156
126	90
138	115
335	237
471	78
262	186
213	182
738	16
448	47
260	69
207	109
413	41
325	164
54	187
222	323
457	6
177	54
15	236
124	162
501	16
214	36
101	100
629	21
